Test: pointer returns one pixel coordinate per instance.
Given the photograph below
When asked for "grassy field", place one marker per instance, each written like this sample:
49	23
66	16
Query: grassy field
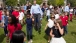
42	38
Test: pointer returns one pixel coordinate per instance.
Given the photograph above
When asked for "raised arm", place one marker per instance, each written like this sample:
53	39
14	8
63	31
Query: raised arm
61	30
31	11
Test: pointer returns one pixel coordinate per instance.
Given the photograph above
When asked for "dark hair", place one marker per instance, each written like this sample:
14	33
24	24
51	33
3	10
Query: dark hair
18	37
59	21
28	13
14	20
52	16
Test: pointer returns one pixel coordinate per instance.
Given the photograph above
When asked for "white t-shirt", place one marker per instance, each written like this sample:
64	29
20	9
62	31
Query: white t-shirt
21	15
51	6
50	23
57	16
48	13
71	11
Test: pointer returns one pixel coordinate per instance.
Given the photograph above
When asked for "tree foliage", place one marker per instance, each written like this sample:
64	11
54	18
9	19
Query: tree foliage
22	2
56	2
72	2
39	1
11	2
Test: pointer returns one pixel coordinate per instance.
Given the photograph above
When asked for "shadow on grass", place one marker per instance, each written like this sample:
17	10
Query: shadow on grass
2	36
30	37
73	33
46	37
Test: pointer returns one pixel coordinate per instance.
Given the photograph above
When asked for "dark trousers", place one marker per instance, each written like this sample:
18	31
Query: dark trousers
37	23
68	14
29	33
0	21
48	17
71	17
65	29
5	29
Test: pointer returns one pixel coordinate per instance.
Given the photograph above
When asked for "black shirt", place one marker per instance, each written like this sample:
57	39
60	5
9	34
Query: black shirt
56	32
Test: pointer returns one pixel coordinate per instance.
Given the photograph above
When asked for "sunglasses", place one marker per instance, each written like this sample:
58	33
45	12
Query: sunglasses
52	17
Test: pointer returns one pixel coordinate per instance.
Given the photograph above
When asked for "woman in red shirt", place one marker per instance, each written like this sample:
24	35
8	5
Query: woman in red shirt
13	26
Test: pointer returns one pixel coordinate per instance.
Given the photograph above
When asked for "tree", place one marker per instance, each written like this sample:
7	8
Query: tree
38	1
22	2
56	2
72	2
11	2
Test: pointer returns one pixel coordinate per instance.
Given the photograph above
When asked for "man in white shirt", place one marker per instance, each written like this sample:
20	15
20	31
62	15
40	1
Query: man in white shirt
36	12
67	9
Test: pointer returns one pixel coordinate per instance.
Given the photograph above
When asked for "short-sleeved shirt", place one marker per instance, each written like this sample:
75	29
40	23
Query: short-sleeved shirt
15	13
29	23
21	15
50	23
0	15
63	19
11	28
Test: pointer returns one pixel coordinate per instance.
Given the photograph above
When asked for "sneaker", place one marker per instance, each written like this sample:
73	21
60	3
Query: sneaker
31	41
6	34
48	41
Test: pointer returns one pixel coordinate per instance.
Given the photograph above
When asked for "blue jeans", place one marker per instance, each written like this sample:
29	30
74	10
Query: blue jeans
65	29
29	33
5	29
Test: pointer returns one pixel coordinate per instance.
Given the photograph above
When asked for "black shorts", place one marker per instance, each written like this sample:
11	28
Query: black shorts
47	31
0	21
75	13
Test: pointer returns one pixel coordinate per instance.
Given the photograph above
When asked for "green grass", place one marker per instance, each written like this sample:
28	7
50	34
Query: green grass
42	38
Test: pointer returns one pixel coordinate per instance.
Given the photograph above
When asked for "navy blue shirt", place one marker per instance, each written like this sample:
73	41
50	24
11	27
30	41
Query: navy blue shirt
29	22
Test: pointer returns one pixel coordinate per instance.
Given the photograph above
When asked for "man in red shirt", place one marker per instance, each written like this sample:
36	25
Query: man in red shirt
16	13
64	20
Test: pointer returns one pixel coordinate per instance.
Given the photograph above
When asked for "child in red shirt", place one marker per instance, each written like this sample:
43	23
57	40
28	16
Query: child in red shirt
66	17
13	26
16	13
64	20
0	15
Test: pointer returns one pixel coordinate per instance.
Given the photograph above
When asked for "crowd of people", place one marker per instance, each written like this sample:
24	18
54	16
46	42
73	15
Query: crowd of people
13	18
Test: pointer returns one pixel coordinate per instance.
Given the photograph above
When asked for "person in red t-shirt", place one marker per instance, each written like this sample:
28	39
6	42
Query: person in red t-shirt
64	20
0	15
12	26
16	13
